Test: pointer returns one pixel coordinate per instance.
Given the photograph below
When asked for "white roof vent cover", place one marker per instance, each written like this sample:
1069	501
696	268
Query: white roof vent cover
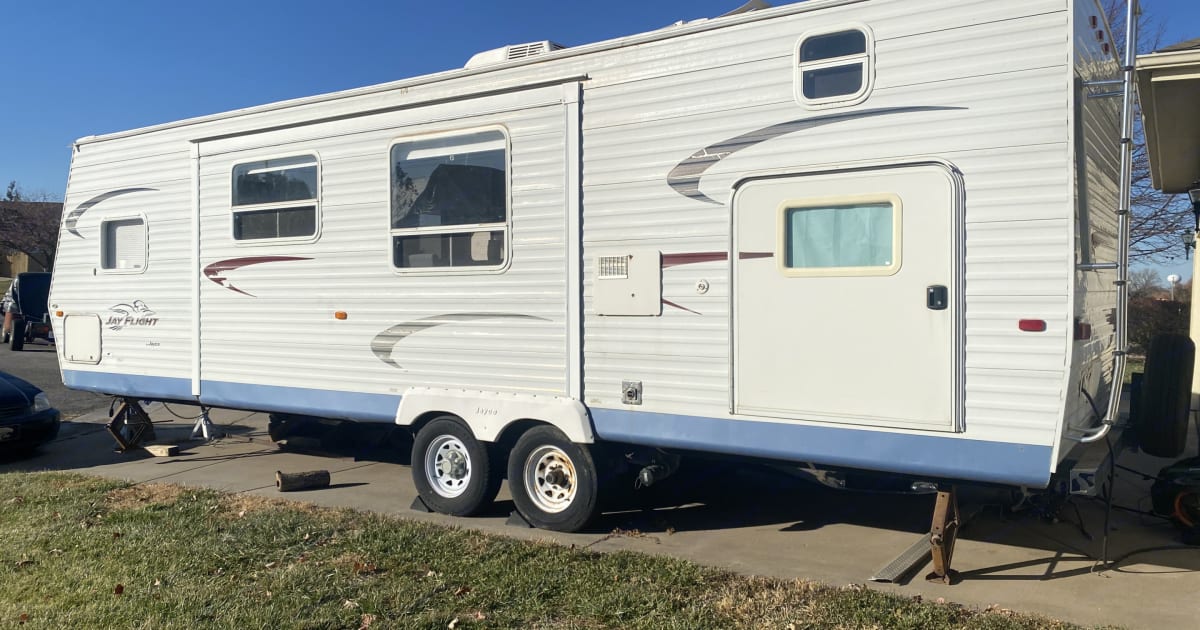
509	53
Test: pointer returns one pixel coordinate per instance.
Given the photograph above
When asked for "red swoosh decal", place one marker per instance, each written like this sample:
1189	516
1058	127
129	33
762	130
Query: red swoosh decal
213	272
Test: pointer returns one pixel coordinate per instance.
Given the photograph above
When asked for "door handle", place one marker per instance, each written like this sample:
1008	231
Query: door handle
937	297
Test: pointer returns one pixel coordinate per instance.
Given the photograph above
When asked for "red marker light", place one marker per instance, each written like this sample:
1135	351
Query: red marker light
1032	325
1094	21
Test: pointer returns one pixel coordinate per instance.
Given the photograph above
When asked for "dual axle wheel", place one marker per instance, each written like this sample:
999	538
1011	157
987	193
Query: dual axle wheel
552	480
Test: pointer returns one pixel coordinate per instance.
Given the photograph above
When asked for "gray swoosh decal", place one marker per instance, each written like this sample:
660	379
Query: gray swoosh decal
73	218
385	342
685	177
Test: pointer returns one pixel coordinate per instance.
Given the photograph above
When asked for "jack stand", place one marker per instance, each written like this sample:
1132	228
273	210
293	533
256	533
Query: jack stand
130	425
942	535
204	426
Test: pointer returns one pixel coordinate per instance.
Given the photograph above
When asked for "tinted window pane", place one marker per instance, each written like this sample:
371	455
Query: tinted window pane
835	81
275	181
833	45
839	236
449	181
459	249
275	223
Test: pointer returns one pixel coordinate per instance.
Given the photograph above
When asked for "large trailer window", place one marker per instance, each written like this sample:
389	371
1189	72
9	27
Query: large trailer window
859	237
276	198
833	68
450	201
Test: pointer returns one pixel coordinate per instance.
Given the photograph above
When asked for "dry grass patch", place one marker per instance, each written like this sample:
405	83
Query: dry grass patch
240	505
139	496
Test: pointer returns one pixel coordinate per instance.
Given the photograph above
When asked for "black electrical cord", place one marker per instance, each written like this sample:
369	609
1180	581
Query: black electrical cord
168	408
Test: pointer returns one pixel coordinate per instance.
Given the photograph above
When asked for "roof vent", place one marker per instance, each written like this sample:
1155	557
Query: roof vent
509	53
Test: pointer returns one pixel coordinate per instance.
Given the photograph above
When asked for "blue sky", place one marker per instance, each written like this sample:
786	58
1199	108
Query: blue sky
72	68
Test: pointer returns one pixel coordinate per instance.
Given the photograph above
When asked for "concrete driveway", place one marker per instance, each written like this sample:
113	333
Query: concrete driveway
745	518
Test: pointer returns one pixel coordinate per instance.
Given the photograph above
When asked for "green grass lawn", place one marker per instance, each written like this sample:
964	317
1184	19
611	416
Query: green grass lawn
80	552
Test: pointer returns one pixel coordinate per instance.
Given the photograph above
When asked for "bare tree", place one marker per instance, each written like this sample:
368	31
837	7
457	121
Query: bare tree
1157	220
29	226
1144	282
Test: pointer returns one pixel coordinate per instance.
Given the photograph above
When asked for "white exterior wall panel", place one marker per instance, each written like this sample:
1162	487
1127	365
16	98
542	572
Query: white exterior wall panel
349	269
994	81
1008	139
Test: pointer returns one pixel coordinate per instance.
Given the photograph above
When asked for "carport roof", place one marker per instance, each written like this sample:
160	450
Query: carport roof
1169	86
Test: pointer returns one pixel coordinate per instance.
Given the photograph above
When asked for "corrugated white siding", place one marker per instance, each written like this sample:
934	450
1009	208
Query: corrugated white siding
1007	134
286	334
997	72
82	286
1096	238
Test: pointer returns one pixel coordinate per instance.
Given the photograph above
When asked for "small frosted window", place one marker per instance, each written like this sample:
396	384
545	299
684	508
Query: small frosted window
123	245
860	235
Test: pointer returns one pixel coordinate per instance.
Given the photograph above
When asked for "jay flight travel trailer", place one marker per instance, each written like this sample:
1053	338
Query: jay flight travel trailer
863	234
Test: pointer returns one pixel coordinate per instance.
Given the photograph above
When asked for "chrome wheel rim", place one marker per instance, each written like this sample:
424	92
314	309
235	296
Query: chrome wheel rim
448	466
550	479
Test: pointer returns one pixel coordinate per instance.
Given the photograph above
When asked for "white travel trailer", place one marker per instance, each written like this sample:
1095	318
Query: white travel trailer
865	234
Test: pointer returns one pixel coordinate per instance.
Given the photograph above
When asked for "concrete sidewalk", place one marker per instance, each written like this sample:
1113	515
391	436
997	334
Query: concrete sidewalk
745	518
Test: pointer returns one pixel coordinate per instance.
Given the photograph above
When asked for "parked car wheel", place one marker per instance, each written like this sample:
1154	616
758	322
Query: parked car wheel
17	341
1166	395
452	470
553	480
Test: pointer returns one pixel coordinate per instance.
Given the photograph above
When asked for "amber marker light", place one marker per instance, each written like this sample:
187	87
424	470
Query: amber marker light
58	313
339	315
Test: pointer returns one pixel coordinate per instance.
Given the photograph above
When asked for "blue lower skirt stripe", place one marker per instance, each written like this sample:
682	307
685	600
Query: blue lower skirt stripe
933	456
299	400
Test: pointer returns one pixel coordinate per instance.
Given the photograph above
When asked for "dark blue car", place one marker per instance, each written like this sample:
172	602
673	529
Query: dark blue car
26	418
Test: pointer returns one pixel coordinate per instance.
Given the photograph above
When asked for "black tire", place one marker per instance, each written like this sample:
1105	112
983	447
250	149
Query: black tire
566	503
441	449
1166	395
17	342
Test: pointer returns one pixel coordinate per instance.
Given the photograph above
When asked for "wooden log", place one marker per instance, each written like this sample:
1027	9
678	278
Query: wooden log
287	482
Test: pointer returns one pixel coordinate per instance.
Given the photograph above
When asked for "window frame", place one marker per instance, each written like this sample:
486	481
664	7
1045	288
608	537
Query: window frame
783	234
234	210
462	228
141	216
866	59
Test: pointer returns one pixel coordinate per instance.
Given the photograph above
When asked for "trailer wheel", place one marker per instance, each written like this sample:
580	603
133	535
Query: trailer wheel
17	340
1166	395
452	470
553	480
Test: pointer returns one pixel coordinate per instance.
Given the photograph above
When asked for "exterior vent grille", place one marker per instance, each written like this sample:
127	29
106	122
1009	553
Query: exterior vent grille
614	267
510	53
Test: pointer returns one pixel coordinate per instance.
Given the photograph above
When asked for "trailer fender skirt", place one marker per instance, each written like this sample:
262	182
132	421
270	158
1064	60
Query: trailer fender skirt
488	413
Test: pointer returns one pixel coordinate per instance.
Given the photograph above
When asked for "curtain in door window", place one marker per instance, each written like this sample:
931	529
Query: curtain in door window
839	236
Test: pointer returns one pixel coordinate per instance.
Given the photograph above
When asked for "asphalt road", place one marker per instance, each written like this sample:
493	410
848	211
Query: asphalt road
38	364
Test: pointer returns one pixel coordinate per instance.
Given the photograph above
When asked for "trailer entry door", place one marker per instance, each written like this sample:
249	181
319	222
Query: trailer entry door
845	298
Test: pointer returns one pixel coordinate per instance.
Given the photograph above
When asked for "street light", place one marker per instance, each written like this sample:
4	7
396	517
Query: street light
1174	280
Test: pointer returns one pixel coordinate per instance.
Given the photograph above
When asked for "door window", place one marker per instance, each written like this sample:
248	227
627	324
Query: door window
841	238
